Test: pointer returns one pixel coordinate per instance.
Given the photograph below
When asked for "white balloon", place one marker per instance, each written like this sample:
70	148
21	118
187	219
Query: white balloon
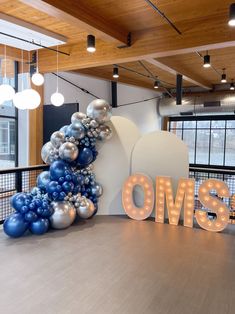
57	99
7	92
32	98
18	101
37	79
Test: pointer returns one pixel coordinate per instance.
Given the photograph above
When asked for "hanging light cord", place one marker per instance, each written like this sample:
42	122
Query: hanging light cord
97	97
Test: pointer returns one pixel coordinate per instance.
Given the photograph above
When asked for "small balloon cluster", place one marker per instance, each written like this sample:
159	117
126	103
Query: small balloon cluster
69	188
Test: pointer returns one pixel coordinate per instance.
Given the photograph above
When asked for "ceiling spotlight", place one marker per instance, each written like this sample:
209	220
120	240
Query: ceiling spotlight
156	84
115	72
232	87
206	63
223	77
90	43
231	21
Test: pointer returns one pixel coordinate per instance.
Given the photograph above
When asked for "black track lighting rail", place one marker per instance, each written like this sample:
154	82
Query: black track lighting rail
36	44
141	74
163	16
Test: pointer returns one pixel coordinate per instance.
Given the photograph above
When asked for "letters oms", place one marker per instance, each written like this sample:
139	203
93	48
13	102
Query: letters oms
184	199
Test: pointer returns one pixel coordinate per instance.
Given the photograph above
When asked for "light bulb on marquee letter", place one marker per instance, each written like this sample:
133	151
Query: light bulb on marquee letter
146	184
184	194
213	203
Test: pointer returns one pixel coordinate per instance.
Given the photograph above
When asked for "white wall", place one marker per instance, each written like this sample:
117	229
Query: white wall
143	114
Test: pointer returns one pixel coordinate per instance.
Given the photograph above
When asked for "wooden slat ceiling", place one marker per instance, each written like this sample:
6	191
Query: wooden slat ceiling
203	25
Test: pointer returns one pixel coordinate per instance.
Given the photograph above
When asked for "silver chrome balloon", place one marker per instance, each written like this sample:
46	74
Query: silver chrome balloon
94	124
78	116
63	216
48	153
86	209
97	190
64	128
99	110
68	151
57	138
77	130
105	133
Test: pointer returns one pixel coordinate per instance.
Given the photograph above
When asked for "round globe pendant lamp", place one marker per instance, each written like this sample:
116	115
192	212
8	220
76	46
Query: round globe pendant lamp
57	99
7	92
37	78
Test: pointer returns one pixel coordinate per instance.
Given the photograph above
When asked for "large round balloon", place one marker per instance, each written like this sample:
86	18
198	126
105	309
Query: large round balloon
57	169
76	130
97	190
43	179
68	151
15	225
78	116
99	110
40	226
64	215
86	209
105	132
85	157
57	138
18	200
48	153
64	128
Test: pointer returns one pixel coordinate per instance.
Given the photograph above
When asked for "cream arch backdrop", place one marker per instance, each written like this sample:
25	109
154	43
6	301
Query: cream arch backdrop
156	153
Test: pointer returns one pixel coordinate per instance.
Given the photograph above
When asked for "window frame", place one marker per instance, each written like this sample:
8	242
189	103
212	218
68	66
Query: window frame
225	118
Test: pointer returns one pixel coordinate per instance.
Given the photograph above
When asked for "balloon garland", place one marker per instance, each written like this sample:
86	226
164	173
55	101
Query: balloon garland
69	188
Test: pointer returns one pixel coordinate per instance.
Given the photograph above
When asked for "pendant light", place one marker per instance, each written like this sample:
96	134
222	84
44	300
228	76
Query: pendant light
115	72
57	99
223	77
91	43
37	78
231	21
206	59
232	87
7	92
156	85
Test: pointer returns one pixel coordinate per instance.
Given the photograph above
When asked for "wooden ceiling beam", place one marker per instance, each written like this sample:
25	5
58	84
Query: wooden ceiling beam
186	76
77	15
199	34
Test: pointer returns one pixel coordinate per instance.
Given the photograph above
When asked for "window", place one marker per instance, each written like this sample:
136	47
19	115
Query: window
8	119
210	140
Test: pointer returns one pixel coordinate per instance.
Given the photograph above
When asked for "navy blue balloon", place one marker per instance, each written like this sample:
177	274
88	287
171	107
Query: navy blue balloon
85	157
57	169
80	179
40	211
18	200
52	187
30	216
61	196
38	202
68	186
40	226
43	179
15	225
61	180
24	209
47	212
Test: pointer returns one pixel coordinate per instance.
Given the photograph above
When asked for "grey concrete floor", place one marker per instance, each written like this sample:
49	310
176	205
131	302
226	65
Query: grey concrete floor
118	265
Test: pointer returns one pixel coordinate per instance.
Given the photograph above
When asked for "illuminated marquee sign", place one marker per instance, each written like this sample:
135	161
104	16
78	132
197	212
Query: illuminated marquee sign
184	198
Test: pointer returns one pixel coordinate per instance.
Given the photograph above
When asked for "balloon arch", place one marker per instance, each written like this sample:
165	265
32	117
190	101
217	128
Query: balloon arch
69	188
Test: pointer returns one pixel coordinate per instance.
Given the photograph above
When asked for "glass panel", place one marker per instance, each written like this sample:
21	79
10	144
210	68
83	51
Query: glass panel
203	124
202	152
230	124
189	124
230	148
218	124
7	143
176	124
177	132
189	139
217	147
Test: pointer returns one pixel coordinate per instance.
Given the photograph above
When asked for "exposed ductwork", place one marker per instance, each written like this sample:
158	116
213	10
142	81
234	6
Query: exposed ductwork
203	103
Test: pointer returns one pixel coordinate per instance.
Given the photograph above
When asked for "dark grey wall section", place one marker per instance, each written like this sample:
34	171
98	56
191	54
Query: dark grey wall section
56	117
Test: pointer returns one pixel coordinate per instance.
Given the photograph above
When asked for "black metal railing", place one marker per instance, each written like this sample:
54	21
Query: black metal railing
16	180
24	179
226	174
